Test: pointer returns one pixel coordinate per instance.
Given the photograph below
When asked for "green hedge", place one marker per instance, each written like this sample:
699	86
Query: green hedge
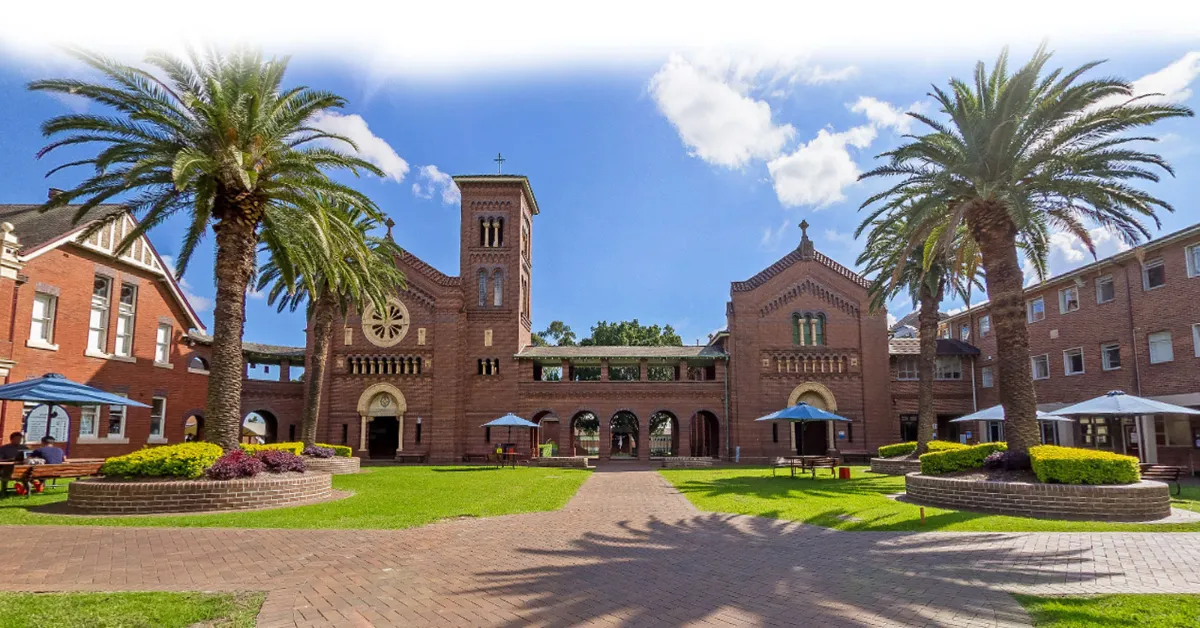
185	460
294	448
1069	465
944	445
897	449
960	459
341	451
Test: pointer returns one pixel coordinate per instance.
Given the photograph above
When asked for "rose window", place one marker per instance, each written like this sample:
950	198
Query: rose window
386	326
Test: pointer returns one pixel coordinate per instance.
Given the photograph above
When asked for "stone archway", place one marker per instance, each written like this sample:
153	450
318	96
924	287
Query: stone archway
816	395
381	409
664	434
584	432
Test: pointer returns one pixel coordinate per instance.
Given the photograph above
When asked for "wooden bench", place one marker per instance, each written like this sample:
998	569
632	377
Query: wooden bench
1165	474
27	473
821	463
415	456
476	456
785	463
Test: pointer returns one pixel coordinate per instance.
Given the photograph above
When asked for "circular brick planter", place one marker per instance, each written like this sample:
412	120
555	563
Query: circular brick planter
895	466
1143	501
268	490
336	465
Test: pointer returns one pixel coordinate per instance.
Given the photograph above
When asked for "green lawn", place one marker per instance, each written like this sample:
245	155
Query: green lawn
384	497
129	610
861	503
1157	611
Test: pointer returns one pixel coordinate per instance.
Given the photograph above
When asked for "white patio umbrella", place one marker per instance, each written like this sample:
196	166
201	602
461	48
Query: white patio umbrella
996	413
1117	403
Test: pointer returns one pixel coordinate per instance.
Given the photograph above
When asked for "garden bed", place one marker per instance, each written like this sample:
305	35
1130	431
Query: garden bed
1140	501
688	462
141	497
901	465
336	465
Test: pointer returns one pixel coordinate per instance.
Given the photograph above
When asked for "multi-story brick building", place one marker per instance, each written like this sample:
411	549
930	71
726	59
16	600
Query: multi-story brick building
1128	322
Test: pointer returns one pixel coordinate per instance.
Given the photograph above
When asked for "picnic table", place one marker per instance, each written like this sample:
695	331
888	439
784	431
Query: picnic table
803	463
11	471
508	458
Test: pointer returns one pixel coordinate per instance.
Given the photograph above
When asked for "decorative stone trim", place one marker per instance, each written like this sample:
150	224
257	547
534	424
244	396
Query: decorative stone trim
116	497
336	465
895	466
1144	501
566	462
686	462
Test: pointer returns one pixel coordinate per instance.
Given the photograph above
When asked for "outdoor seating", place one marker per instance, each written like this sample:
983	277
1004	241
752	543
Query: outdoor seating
823	462
26	474
1165	474
476	456
411	456
784	463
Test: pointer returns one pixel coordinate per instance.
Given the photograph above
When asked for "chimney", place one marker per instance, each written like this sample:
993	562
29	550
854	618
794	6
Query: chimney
53	192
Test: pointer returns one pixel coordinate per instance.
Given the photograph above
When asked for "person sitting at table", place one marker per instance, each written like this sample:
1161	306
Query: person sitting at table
15	449
48	452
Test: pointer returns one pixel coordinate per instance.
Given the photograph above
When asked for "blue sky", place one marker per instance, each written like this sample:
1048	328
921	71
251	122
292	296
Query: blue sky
660	181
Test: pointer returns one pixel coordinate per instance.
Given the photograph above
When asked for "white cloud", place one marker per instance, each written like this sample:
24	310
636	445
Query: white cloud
817	172
371	147
436	182
199	303
892	320
818	75
1173	82
715	118
1068	252
885	114
772	238
956	310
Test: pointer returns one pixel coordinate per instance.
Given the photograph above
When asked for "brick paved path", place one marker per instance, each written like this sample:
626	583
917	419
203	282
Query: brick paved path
628	550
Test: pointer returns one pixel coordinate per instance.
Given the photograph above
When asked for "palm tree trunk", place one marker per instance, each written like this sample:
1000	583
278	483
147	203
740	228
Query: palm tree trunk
996	234
322	329
236	243
928	323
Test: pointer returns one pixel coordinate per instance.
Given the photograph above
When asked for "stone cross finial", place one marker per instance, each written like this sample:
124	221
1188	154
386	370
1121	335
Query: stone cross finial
806	245
389	224
803	229
499	163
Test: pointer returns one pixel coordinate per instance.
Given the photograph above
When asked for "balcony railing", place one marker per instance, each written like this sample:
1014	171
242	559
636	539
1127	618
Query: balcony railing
385	364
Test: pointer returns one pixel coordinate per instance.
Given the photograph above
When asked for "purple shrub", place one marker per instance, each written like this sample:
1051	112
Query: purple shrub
995	460
277	461
319	452
233	465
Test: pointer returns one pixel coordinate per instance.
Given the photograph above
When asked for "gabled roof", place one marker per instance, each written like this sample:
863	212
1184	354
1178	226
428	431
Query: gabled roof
423	267
264	352
596	352
38	232
794	257
502	178
945	346
911	319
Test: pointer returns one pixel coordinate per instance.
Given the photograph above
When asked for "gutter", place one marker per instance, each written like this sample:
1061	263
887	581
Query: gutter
728	426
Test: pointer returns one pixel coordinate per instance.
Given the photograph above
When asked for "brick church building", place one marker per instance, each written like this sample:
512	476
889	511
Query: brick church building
423	373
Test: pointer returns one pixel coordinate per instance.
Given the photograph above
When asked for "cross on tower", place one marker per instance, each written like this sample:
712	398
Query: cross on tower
804	229
499	163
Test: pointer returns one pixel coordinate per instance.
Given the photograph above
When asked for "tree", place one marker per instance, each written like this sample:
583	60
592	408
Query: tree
556	334
1017	154
219	139
330	270
901	265
631	333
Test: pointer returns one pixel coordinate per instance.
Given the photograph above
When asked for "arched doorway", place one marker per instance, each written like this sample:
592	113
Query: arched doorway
705	435
664	434
585	434
812	438
259	428
193	428
546	432
624	434
381	408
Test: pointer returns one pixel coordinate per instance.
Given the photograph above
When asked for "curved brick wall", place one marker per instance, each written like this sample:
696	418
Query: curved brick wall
895	466
108	497
336	465
1144	501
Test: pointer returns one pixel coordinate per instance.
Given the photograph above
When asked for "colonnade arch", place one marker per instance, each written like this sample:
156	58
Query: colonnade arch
632	432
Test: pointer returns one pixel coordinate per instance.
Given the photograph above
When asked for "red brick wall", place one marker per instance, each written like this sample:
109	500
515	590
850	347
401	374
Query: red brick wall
71	270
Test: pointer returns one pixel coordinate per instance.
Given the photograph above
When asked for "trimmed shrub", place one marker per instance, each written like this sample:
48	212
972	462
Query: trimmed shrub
233	465
1070	465
960	459
342	451
185	460
897	449
295	448
317	451
277	461
944	445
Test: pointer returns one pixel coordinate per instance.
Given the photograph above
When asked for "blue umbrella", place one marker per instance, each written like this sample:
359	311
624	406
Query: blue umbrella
54	388
802	412
996	413
1117	403
510	421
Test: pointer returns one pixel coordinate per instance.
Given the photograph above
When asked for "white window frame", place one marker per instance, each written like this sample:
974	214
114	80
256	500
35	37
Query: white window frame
1029	310
86	414
1105	363
1154	263
900	370
101	307
126	314
1067	353
1063	302
161	436
123	412
1170	348
1193	260
985	325
1106	279
987	377
940	372
1033	360
44	340
1196	339
162	348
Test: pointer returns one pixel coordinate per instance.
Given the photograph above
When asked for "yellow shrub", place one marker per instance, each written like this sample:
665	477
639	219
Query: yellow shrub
1071	465
185	460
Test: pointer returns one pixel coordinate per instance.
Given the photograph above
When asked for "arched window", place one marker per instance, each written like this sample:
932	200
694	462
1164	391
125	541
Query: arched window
482	287
820	333
795	329
483	229
498	288
499	233
808	329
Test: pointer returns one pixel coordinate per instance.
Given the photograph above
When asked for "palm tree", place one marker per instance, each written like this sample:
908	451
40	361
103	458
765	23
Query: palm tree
1019	154
346	269
902	263
221	140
